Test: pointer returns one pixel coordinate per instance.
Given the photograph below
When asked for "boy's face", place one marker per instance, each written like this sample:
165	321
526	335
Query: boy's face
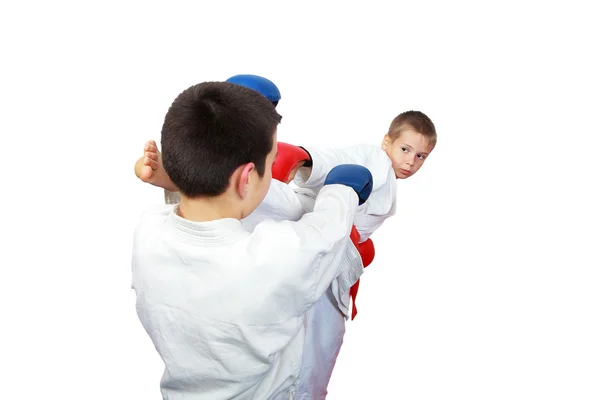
407	152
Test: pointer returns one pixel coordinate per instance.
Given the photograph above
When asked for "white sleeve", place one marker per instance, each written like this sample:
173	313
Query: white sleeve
324	160
281	203
304	257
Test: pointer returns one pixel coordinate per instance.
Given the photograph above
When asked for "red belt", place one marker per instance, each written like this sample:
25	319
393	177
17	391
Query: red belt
367	254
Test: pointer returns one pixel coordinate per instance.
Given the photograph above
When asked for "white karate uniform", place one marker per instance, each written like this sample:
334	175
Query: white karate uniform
226	308
382	202
325	321
283	203
325	324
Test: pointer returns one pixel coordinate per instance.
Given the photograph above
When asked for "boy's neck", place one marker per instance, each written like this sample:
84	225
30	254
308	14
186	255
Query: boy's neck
205	209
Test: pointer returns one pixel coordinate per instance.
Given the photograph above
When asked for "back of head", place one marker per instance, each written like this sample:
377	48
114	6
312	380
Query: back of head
260	84
416	121
210	130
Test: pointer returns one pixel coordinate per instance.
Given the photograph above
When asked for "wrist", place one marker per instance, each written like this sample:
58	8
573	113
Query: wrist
304	174
307	163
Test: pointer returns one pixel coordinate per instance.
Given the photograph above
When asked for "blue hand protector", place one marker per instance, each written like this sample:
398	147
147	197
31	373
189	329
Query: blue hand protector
260	84
357	177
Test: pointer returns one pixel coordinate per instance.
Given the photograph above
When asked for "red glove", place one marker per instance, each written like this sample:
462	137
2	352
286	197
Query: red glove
355	236
366	249
289	158
367	254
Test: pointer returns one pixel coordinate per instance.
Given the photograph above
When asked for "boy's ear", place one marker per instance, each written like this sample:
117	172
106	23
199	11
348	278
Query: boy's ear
387	140
244	180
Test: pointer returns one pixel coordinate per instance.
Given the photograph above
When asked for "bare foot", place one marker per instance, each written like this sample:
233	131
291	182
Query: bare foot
149	168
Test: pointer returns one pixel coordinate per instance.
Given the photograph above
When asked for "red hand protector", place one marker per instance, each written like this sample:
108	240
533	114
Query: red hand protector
289	158
367	254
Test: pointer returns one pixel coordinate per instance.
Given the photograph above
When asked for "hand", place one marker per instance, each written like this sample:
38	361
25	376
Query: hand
355	176
289	159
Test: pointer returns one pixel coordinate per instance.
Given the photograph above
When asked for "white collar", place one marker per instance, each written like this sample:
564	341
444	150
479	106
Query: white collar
211	233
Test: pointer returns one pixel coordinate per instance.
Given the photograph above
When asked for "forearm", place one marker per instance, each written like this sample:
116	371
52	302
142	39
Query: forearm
282	203
323	161
307	255
326	231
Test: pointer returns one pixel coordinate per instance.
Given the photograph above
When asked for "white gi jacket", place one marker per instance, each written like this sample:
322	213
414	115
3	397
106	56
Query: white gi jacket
382	202
283	203
225	308
325	326
325	321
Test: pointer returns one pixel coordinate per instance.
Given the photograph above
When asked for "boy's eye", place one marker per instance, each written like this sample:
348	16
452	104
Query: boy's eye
421	156
404	149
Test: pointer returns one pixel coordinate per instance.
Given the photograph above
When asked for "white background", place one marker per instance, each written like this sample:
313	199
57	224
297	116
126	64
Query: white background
486	282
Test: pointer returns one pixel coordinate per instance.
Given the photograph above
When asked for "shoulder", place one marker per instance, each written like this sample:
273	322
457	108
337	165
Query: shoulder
157	212
147	243
374	153
285	243
378	163
367	154
280	235
152	217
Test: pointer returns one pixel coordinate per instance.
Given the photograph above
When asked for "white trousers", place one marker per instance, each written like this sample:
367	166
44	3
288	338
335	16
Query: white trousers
325	330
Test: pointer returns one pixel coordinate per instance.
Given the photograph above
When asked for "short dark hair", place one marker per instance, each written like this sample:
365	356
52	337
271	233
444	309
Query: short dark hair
415	120
210	130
